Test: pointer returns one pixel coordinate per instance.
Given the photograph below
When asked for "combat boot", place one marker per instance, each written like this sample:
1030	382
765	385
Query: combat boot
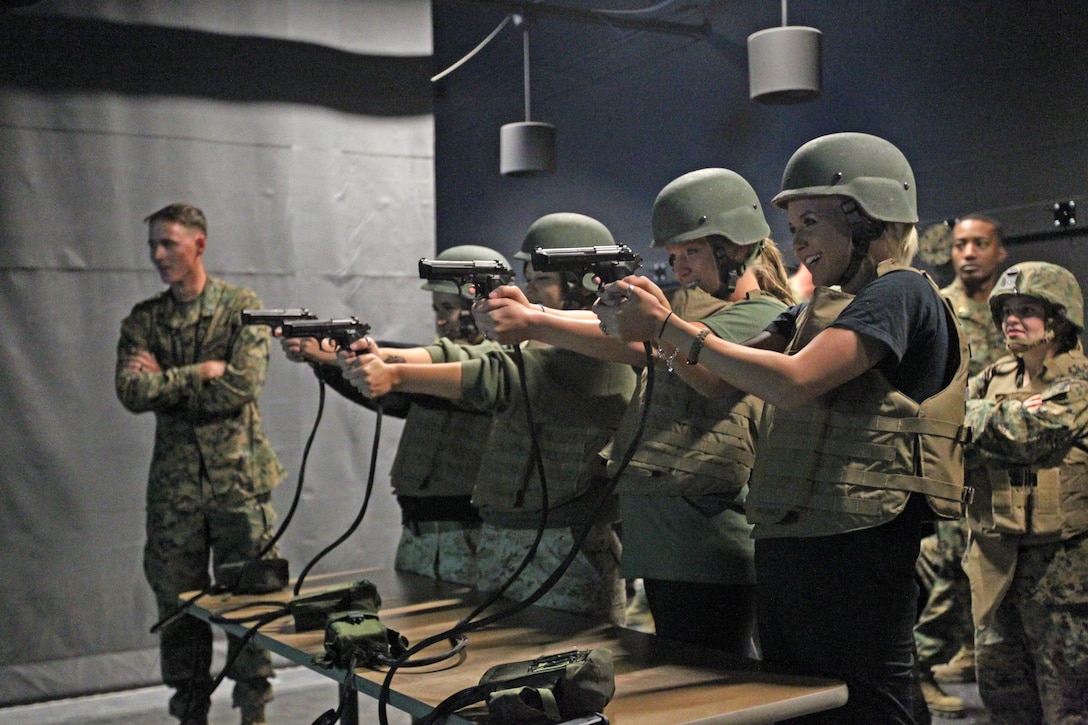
190	704
961	668
939	702
253	715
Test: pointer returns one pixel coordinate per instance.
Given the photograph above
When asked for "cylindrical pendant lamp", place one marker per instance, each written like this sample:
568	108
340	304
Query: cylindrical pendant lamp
526	148
785	64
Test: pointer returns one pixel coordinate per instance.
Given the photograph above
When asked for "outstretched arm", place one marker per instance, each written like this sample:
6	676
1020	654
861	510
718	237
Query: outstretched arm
375	377
832	358
507	316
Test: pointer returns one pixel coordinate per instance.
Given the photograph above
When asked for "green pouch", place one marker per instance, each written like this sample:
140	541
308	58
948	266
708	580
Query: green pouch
312	611
259	576
551	689
358	638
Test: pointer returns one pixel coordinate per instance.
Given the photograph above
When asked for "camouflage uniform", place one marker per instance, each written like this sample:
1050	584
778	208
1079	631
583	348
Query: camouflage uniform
212	470
985	339
1030	589
944	626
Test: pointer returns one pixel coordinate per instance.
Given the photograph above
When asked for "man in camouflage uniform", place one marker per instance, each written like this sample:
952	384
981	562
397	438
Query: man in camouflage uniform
185	356
943	635
1028	461
978	251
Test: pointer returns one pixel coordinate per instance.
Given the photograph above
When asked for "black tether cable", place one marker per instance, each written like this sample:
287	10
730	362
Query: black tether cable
366	500
213	589
282	608
331	717
268	547
457	631
459	700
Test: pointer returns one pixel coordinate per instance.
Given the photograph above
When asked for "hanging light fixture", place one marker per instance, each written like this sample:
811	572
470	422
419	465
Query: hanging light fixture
785	64
526	148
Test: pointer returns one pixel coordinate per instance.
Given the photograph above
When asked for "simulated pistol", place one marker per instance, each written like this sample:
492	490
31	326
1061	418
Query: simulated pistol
608	263
342	332
276	318
484	275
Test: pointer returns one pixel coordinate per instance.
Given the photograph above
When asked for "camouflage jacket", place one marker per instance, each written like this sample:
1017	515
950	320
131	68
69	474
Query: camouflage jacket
209	441
986	341
1025	444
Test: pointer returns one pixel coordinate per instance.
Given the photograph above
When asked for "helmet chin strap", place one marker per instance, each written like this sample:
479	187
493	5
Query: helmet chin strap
734	271
1019	348
858	252
864	230
468	329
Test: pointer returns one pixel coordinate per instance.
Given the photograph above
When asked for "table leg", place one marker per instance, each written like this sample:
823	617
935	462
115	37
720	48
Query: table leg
350	714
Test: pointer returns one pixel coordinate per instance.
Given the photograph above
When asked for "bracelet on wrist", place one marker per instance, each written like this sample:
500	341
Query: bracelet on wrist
669	360
697	346
664	324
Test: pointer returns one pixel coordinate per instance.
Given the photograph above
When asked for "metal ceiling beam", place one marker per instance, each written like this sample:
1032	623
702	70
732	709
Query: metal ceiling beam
598	17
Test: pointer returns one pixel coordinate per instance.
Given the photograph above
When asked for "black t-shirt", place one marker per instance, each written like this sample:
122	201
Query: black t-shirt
904	313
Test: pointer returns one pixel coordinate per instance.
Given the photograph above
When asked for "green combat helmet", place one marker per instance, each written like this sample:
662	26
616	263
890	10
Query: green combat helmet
872	174
567	230
708	202
564	230
866	169
463	253
1055	285
717	204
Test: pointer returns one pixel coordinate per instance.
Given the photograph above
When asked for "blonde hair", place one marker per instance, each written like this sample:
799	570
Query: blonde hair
771	273
906	235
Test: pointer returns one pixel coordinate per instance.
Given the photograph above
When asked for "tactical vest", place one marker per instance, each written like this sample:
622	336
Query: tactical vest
850	459
439	452
1040	504
570	432
691	445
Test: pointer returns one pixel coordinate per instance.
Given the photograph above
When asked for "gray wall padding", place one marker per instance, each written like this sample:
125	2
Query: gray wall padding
304	131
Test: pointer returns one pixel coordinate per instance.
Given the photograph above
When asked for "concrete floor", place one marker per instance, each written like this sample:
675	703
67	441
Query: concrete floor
301	696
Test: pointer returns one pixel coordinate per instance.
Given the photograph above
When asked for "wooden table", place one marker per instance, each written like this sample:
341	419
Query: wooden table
658	681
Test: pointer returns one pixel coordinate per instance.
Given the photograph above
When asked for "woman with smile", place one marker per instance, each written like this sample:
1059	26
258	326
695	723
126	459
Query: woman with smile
861	438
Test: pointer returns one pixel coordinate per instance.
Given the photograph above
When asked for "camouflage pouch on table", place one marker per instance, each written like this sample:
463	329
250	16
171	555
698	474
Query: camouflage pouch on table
358	638
551	689
259	576
312	611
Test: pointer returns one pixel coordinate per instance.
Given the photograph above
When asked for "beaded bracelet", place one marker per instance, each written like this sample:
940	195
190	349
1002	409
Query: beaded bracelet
669	360
697	346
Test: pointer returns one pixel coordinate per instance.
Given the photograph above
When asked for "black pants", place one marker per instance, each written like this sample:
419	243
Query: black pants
844	606
712	615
